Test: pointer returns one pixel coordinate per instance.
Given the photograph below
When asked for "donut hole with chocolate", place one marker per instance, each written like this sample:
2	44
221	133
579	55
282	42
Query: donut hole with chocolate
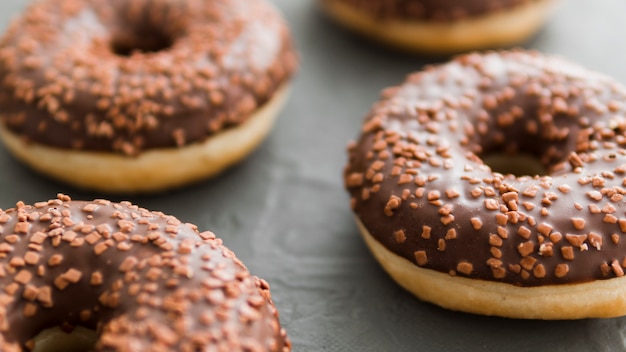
517	164
72	339
143	41
146	29
520	132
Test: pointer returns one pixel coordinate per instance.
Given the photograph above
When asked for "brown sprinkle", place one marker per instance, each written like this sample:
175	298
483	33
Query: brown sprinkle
477	223
400	236
561	270
464	267
421	258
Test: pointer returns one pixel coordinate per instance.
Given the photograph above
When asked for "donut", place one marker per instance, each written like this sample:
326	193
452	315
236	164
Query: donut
442	26
143	280
141	96
455	231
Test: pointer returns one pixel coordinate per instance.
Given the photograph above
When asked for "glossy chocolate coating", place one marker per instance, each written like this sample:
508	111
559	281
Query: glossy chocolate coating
418	184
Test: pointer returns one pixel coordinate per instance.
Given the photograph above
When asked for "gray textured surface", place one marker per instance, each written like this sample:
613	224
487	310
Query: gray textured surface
285	214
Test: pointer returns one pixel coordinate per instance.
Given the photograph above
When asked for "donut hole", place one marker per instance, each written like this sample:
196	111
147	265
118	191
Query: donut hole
145	40
56	340
519	164
146	26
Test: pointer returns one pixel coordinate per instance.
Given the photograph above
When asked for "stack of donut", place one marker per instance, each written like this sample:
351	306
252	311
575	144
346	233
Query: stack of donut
141	96
442	26
455	232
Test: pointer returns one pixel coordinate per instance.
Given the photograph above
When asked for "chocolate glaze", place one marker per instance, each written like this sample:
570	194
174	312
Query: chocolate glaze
143	280
419	186
69	76
433	10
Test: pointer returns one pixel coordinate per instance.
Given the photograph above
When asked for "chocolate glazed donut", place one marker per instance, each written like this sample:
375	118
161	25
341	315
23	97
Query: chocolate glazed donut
143	280
442	26
454	232
137	96
435	10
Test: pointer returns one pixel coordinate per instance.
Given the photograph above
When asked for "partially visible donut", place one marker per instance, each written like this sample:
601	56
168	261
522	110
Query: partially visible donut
454	232
139	96
442	26
143	280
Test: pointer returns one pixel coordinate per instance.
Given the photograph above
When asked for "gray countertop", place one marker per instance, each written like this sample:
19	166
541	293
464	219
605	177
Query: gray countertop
285	214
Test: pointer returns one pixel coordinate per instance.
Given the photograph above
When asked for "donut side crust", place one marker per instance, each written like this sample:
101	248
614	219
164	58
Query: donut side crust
596	299
152	170
489	31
